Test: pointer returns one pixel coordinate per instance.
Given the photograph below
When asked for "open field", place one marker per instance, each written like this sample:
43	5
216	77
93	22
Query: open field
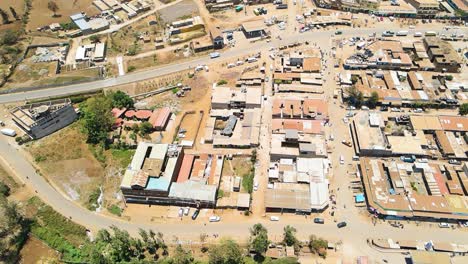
178	11
123	40
18	6
43	16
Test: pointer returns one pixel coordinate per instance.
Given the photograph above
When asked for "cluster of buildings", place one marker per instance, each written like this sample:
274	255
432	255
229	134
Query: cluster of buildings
178	28
298	72
423	71
235	117
131	8
422	175
165	174
400	8
299	166
158	118
91	52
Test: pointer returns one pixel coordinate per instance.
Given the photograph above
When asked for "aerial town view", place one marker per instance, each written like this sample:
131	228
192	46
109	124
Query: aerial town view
229	131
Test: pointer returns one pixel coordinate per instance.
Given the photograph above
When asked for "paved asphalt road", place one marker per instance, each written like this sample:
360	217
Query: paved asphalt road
235	52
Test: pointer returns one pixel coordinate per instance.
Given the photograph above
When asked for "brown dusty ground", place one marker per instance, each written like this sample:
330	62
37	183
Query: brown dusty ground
43	16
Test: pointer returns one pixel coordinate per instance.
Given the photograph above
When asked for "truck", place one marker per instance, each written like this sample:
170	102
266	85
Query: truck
388	33
409	158
430	34
282	6
8	132
214	55
402	33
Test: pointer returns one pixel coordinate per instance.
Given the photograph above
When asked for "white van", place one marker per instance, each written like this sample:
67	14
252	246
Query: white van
417	34
250	60
215	218
402	33
274	218
8	132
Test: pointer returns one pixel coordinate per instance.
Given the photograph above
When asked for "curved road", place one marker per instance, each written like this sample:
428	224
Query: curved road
235	52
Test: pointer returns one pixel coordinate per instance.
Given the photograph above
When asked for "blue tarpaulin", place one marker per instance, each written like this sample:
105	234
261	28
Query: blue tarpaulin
359	198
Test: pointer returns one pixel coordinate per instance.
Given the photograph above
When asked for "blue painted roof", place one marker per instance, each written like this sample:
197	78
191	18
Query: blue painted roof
160	183
360	198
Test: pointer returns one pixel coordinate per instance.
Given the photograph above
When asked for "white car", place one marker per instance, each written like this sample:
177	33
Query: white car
341	159
394	109
255	186
274	218
444	225
215	218
186	210
364	108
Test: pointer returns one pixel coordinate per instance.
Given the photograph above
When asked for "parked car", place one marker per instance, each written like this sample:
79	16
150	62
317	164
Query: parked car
454	162
8	132
341	159
384	108
319	220
274	218
181	212
338	32
255	186
186	210
215	218
444	225
341	224
195	214
347	143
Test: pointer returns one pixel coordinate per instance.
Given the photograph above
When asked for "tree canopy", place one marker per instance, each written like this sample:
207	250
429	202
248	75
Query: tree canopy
463	110
97	119
120	99
259	239
227	252
373	99
289	236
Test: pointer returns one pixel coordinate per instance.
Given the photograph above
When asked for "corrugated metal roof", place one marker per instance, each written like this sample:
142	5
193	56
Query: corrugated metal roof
193	190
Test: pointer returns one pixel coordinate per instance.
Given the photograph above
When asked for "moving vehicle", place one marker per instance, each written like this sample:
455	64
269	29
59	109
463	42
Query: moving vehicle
341	224
8	132
215	218
214	55
402	33
341	159
319	220
410	159
195	214
388	33
274	218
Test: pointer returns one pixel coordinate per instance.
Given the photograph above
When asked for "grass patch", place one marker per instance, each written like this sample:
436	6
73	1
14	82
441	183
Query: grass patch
247	182
115	210
92	202
123	156
57	231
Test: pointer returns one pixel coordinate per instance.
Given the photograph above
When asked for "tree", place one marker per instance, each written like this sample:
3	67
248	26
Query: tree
227	252
52	6
373	99
145	128
463	110
355	96
13	12
289	236
259	239
318	245
95	39
181	256
97	119
10	37
5	16
120	100
4	189
14	230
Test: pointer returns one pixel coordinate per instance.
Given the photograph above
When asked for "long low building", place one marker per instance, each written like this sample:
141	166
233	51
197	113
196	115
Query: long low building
413	191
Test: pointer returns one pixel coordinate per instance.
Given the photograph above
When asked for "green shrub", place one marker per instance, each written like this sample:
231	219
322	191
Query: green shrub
221	82
115	209
131	68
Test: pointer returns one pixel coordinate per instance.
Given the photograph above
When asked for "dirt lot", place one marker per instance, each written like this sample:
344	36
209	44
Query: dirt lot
68	162
121	41
238	166
178	11
43	16
19	8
